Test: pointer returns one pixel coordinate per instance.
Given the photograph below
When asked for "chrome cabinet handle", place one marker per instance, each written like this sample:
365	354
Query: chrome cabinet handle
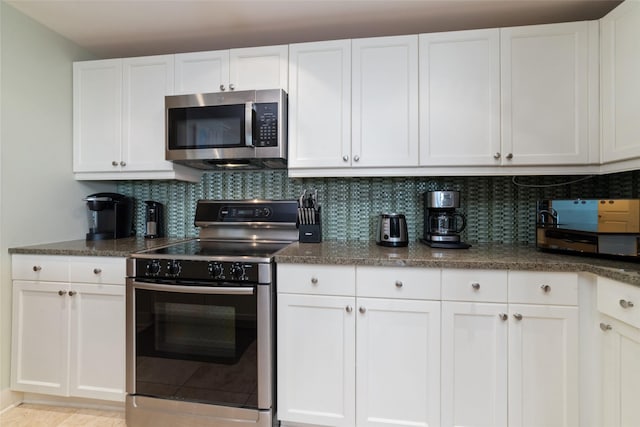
232	86
356	158
626	304
61	292
605	327
314	280
123	163
72	293
517	316
345	158
509	156
97	271
399	284
349	309
114	163
503	316
37	268
496	156
545	288
362	310
475	286
222	88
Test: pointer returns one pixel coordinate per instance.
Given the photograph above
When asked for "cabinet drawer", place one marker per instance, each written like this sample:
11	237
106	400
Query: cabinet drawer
474	285
398	282
316	279
532	287
111	270
40	268
619	300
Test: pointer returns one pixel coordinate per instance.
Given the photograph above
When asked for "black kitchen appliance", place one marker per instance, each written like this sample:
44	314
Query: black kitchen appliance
442	222
154	219
201	319
392	230
599	227
110	216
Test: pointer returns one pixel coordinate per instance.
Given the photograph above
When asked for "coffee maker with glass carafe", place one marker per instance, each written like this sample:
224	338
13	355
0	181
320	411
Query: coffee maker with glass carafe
442	223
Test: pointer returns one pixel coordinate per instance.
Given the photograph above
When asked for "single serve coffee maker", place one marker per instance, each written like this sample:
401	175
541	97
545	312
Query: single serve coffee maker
110	216
442	223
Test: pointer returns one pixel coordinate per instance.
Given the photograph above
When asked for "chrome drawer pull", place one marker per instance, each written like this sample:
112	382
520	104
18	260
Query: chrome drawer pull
517	316
503	316
545	288
605	327
62	292
475	286
37	268
314	280
97	271
349	309
72	293
398	284
626	304
362	310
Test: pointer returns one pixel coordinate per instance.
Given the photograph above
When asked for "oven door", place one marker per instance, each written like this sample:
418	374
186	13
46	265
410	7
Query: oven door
209	345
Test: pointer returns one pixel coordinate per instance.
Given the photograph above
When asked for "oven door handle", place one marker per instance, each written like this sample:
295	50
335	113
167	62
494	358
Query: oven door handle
210	290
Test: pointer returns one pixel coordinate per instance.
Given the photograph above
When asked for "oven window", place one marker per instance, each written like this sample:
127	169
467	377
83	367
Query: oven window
195	347
206	127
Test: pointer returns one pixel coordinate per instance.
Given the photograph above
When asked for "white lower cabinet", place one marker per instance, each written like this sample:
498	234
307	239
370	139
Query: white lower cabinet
347	360
68	337
619	304
505	362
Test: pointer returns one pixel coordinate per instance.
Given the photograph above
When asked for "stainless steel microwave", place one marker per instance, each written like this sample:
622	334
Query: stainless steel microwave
241	130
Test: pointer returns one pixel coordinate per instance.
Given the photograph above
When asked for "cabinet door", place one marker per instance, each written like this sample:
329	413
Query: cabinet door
316	360
97	115
543	368
201	72
97	340
320	104
385	101
256	68
40	337
460	97
620	374
545	94
474	364
620	65
146	82
398	360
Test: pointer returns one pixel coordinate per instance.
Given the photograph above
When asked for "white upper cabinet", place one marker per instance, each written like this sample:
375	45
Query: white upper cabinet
620	67
460	97
118	126
385	102
549	79
236	69
201	72
320	104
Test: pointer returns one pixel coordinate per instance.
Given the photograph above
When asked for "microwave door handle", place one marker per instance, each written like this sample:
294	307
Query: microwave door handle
248	124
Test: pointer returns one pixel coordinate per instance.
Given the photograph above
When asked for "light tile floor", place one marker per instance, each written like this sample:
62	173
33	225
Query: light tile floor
31	415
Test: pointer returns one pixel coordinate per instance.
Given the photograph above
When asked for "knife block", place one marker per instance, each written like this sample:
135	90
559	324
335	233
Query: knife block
311	233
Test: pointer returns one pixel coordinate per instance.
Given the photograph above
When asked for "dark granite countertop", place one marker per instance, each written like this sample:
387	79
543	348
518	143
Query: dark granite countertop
113	248
479	256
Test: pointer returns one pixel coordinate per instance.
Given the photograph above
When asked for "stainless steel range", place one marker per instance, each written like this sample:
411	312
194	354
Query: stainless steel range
200	319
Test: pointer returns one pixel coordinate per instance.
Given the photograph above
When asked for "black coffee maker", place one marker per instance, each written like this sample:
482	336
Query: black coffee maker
110	216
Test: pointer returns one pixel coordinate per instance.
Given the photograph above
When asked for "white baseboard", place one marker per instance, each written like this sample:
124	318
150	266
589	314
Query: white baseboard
73	402
9	399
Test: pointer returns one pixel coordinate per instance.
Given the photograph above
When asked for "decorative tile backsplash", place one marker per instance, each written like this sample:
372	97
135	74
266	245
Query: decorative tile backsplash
498	209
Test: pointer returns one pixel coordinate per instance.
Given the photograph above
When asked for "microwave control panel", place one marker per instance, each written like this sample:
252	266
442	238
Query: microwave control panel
266	125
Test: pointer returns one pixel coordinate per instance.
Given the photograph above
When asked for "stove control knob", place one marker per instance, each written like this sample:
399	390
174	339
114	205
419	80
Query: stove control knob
153	267
174	268
237	271
216	270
